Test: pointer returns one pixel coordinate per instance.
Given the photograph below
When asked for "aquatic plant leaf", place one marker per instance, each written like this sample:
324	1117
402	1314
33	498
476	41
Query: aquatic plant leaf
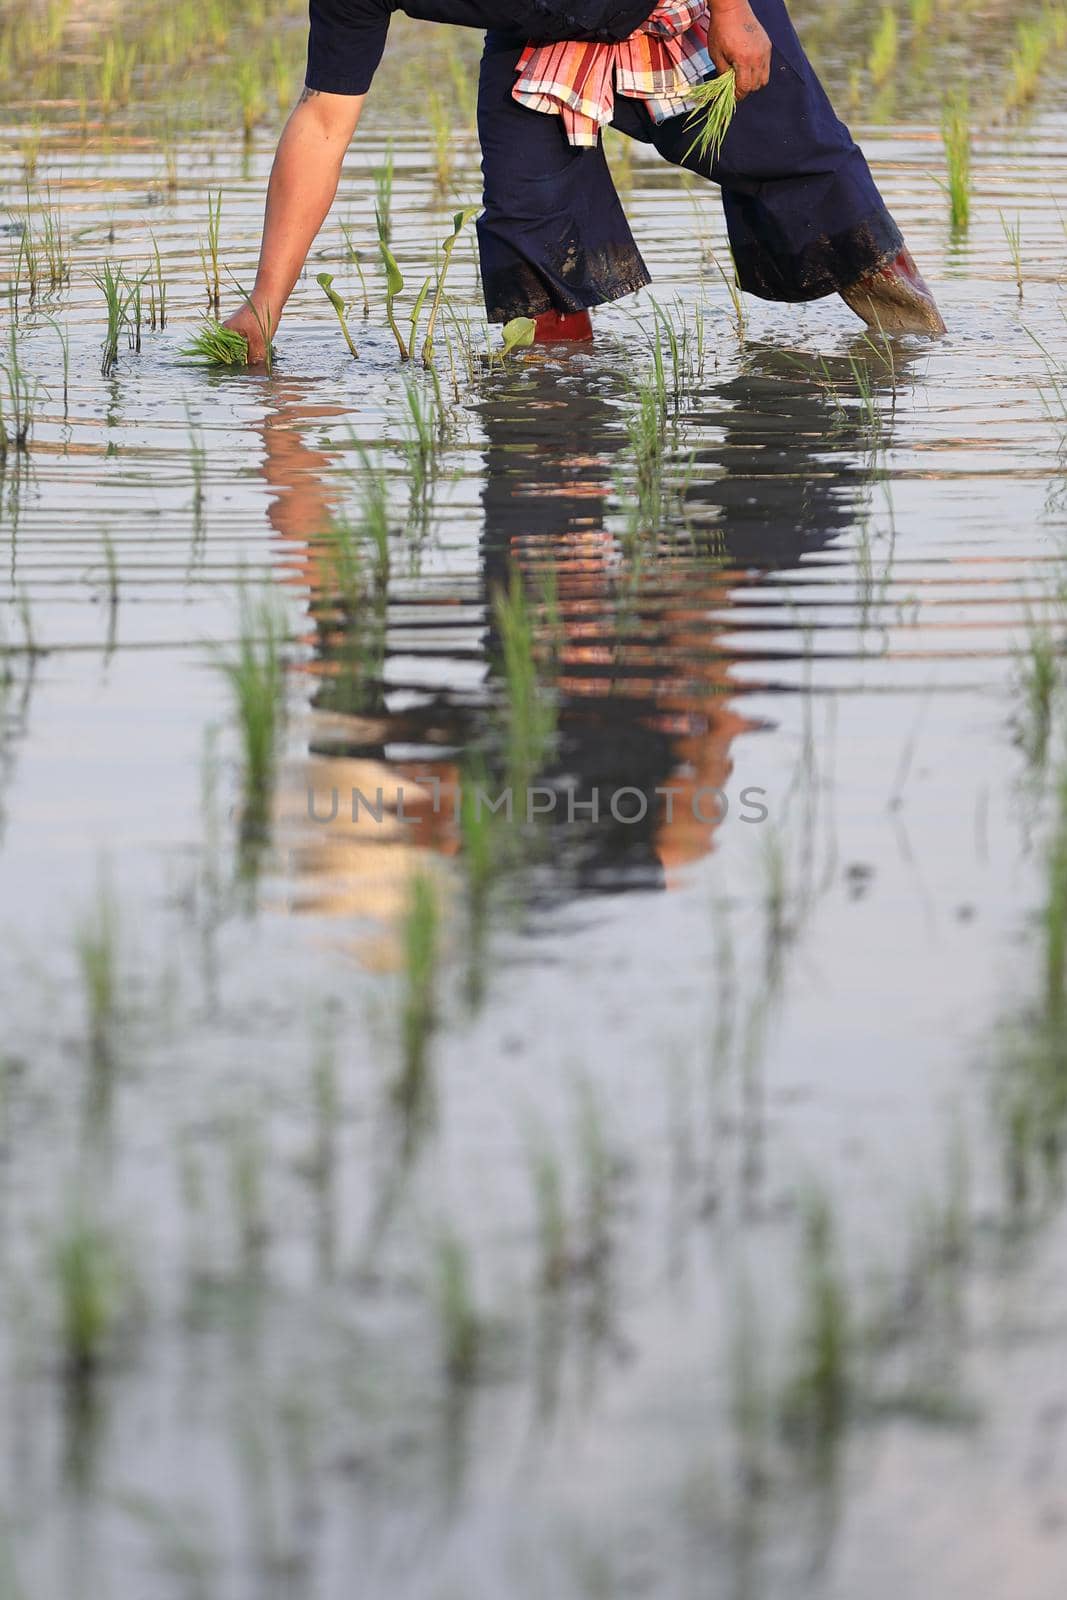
518	334
461	218
325	283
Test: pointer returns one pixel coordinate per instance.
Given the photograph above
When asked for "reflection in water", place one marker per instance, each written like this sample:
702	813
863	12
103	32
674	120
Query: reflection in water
643	769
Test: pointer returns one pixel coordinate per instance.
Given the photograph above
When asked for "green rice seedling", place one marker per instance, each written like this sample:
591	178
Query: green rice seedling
882	57
1013	238
256	678
197	470
159	284
64	345
383	192
357	261
1026	61
714	104
412	1092
461	1329
209	253
91	1286
921	12
816	1399
27	266
280	75
212	345
394	283
118	292
18	400
97	948
114	79
439	117
733	289
956	134
325	283
1037	682
645	430
54	248
135	322
459	222
30	148
249	85
530	717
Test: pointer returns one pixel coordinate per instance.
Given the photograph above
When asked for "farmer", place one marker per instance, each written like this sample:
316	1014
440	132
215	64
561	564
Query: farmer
803	213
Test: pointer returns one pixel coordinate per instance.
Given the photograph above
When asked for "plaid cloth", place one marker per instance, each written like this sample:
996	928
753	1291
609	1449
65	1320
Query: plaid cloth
656	64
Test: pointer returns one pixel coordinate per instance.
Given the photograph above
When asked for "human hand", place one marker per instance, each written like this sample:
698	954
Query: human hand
736	39
252	321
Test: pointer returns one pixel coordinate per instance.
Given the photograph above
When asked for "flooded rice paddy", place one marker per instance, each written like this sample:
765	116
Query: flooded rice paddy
655	1191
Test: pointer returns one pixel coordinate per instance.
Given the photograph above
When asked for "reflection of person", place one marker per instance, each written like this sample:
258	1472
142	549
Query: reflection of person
804	216
646	696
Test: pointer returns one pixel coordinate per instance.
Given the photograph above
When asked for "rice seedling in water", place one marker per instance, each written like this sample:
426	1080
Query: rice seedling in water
461	1331
956	133
1032	41
115	74
212	345
459	222
383	191
118	292
64	345
18	400
357	261
413	1087
882	57
921	13
715	101
1038	680
159	288
645	428
1013	238
256	676
249	86
439	116
209	253
325	283
91	1288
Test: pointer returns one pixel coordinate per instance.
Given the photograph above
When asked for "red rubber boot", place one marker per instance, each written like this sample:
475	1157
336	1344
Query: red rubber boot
562	327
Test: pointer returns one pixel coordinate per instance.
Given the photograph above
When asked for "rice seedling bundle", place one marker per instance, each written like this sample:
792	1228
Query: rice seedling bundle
212	345
714	104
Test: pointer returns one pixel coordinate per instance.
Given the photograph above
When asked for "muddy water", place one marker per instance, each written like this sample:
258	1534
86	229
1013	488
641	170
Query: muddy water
799	962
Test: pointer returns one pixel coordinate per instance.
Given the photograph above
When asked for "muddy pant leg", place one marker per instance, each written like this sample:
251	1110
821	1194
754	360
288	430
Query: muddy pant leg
553	235
802	210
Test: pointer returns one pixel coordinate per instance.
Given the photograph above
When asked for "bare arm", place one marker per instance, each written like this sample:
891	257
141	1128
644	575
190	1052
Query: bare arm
303	182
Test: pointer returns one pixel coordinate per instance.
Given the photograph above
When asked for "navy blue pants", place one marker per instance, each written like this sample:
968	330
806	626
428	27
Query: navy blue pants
803	214
802	211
